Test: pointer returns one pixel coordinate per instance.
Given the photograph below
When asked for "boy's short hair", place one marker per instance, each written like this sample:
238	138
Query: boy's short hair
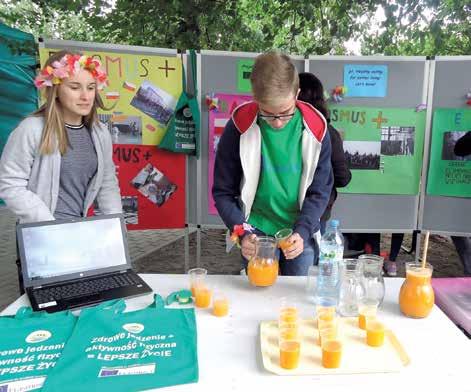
273	78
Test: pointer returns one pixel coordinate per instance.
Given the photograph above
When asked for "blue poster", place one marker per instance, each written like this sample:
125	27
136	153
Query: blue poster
365	80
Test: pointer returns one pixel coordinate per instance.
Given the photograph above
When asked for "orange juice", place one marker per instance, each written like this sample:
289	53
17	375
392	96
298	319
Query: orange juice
202	297
284	244
365	313
331	354
220	307
288	315
416	297
262	272
374	334
288	331
289	354
325	316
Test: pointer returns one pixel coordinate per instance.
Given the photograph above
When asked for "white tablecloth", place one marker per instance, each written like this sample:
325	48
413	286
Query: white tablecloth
229	350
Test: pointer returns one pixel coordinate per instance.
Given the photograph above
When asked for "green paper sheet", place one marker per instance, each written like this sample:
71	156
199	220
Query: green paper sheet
448	174
244	69
383	146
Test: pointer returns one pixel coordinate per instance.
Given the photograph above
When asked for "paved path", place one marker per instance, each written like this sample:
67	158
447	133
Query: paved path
141	243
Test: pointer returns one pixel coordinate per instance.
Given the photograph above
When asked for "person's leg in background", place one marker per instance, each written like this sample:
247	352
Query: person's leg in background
300	265
463	247
390	265
372	243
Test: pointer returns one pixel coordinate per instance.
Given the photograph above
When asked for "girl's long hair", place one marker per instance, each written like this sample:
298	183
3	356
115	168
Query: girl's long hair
312	91
54	134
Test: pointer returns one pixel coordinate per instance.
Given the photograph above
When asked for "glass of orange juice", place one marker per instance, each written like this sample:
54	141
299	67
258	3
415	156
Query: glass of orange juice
331	353
374	333
220	304
197	278
281	237
203	295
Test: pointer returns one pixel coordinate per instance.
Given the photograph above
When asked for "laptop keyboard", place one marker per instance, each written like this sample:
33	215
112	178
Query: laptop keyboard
83	288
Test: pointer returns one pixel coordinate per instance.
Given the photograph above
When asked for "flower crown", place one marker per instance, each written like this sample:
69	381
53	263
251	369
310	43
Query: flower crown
68	66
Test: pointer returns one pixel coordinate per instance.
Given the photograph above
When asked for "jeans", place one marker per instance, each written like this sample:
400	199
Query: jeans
297	266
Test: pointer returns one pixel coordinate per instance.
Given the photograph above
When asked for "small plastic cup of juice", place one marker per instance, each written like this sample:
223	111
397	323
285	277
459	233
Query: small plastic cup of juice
288	312
290	351
197	278
203	296
366	312
281	237
374	333
220	304
331	353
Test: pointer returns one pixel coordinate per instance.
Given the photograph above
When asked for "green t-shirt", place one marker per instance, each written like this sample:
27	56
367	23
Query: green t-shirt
276	201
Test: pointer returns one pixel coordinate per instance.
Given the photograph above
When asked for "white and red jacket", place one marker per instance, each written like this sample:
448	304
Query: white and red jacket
238	161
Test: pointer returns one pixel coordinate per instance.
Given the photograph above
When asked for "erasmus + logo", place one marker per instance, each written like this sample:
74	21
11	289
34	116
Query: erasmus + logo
133	327
38	336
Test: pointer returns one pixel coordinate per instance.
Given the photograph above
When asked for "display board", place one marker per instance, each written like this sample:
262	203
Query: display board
144	86
446	196
382	120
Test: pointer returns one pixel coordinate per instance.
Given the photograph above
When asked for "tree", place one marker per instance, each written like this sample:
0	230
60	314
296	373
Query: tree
410	27
422	27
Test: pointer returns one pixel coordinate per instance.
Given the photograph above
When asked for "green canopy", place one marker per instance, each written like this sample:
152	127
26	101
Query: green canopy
18	96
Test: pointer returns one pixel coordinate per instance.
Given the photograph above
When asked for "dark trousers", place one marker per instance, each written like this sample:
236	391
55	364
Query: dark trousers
463	247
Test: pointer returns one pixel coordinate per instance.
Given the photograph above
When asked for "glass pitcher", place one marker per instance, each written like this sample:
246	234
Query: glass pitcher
262	269
351	287
373	281
416	297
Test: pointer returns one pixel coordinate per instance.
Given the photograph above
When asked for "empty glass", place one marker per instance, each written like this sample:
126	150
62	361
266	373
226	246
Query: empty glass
373	281
351	287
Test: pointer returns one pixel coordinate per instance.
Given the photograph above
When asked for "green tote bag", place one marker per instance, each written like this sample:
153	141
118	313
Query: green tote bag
30	345
183	132
115	351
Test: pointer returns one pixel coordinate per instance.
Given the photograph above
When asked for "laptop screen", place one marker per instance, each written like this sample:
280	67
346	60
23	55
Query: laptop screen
72	249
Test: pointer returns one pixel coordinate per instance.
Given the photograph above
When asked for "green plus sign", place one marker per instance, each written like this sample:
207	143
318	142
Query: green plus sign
379	120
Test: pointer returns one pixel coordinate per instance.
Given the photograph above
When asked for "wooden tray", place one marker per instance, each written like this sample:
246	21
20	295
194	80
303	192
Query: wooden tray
357	356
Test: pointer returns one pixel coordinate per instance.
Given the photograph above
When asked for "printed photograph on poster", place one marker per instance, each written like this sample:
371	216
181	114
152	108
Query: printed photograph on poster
362	155
154	102
130	208
123	129
153	184
397	140
448	150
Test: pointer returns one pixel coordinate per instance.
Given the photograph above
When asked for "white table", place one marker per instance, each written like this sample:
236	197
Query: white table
229	350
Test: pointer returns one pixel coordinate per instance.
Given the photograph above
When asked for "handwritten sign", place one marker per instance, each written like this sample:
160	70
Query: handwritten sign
366	80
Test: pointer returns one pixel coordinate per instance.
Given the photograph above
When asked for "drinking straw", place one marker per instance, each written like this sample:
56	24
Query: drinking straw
424	255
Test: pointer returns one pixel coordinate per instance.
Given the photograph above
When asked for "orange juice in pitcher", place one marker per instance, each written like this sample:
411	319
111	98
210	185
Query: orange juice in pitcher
262	269
416	297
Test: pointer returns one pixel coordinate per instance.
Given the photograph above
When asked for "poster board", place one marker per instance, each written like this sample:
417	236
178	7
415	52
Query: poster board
144	85
407	82
450	82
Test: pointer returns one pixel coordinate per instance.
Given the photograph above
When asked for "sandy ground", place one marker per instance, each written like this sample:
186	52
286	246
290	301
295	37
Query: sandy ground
171	258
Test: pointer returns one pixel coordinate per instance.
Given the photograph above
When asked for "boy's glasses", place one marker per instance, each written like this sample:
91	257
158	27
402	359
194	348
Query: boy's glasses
281	117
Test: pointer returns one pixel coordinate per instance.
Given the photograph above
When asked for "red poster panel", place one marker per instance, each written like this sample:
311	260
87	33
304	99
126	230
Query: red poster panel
152	183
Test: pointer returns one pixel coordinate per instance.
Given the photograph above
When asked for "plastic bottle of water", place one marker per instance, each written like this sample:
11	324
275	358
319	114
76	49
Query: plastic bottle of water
330	256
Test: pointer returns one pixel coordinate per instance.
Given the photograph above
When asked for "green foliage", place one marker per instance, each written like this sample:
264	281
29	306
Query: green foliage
422	27
410	27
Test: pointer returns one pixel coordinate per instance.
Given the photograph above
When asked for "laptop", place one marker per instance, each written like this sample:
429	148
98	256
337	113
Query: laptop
75	263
